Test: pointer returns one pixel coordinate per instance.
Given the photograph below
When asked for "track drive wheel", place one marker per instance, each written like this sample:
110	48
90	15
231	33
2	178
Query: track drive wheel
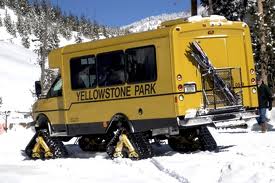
193	139
129	145
42	146
187	141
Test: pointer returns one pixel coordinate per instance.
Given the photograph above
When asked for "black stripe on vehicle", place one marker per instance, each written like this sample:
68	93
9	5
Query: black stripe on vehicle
129	98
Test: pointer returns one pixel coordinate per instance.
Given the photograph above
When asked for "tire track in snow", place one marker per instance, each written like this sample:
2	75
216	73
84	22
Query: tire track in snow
170	173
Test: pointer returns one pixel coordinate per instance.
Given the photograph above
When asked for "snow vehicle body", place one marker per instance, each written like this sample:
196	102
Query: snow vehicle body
117	93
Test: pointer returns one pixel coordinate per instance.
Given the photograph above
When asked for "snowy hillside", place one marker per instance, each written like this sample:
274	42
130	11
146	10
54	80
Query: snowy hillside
17	75
153	22
244	156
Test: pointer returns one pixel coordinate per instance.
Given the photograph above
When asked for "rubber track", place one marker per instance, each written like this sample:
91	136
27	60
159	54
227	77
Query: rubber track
142	145
139	141
56	146
182	147
111	145
207	141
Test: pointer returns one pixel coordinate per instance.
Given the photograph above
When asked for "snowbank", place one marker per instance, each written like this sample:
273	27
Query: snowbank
17	75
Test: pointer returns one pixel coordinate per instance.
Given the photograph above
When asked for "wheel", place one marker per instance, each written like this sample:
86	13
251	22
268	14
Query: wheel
187	141
129	145
193	139
42	146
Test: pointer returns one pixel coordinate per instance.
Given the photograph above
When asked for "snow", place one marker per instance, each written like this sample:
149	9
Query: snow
17	75
153	22
244	156
199	18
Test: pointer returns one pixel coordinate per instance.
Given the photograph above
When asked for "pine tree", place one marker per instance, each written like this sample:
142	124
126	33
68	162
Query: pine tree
95	28
78	38
269	7
22	7
25	41
232	10
9	25
12	4
2	4
19	25
104	32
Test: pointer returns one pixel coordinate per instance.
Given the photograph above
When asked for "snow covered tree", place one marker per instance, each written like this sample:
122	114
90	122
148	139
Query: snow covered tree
2	4
52	40
78	38
12	4
232	10
104	32
19	25
25	41
9	25
22	7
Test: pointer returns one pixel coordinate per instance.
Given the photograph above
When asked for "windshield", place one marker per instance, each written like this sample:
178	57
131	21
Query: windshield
56	88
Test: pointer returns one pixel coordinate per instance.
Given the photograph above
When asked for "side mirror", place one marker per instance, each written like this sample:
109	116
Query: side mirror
37	88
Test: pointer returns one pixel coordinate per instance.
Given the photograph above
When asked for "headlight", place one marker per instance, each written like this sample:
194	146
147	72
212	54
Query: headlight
190	88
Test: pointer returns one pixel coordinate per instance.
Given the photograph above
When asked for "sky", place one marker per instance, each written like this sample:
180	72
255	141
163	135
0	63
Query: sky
121	12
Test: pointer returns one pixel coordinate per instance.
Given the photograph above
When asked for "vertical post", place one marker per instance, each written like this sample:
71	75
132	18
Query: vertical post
263	55
6	122
210	8
194	7
7	113
44	52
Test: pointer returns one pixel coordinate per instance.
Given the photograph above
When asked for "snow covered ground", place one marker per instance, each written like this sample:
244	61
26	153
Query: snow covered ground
245	155
17	75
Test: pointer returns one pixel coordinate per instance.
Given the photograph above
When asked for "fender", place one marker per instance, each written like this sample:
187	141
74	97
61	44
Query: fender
42	122
120	118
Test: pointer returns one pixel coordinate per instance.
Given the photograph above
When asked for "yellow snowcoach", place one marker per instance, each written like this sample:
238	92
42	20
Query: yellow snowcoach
117	94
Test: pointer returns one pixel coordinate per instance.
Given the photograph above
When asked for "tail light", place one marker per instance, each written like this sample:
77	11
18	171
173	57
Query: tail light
179	77
254	90
180	87
252	71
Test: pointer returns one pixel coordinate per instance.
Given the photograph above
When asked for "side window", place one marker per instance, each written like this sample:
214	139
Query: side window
141	64
111	68
56	89
83	72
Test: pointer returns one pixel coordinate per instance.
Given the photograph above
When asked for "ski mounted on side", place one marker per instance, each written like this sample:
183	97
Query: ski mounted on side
201	58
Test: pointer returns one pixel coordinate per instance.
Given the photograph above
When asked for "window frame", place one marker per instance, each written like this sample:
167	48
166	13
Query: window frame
156	67
79	60
48	95
124	68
